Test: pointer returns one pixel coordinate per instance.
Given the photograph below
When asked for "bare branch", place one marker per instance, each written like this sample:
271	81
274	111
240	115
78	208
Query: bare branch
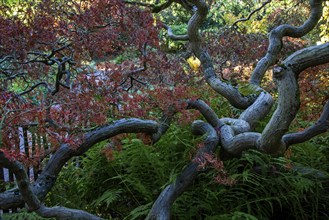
62	213
236	144
308	57
237	125
276	36
35	86
61	71
251	14
228	91
320	126
158	8
22	181
48	176
258	110
272	138
206	111
288	104
132	79
138	70
32	200
173	36
287	108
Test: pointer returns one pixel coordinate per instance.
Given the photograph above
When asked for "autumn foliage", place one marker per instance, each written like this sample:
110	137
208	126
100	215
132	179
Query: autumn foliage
78	72
46	48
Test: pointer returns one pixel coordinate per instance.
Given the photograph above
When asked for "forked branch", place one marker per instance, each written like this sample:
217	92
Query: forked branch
275	40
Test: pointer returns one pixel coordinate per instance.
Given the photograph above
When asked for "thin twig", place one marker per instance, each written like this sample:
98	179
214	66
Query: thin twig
33	87
251	14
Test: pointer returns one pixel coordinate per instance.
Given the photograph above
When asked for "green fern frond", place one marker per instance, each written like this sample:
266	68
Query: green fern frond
139	212
108	197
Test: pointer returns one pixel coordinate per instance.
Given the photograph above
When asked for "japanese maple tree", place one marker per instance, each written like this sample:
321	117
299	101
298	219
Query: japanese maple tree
60	77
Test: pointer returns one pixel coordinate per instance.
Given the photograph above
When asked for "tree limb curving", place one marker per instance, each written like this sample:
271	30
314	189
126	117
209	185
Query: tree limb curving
32	200
173	36
161	208
275	40
320	126
47	178
272	140
228	91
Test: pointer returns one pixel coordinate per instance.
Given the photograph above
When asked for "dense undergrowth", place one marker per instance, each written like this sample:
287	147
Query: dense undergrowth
125	185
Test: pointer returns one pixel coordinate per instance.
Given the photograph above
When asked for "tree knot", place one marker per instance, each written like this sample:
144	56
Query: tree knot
278	71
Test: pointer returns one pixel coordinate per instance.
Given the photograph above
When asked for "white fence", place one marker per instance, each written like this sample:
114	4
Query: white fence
29	144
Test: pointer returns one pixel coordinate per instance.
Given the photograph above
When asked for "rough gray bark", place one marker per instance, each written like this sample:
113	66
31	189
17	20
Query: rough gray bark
275	40
258	105
286	75
274	138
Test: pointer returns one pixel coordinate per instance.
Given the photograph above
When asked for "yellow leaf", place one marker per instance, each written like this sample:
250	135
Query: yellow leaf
194	63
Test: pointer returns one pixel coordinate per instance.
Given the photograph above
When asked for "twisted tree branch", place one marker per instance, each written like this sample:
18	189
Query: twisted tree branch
275	40
46	180
161	207
251	14
228	91
32	200
320	126
173	36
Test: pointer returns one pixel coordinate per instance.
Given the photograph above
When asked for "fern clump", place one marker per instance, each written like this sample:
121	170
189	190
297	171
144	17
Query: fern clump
125	186
265	188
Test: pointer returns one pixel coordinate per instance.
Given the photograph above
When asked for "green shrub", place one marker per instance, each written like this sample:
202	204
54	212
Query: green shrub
265	187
